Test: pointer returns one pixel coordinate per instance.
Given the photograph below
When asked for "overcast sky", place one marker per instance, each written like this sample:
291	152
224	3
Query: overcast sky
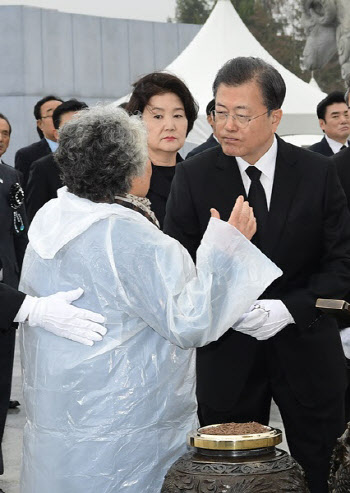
148	10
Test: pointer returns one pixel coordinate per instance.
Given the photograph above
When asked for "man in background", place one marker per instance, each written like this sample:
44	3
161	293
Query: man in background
43	111
342	163
44	176
13	242
211	141
5	134
342	159
334	118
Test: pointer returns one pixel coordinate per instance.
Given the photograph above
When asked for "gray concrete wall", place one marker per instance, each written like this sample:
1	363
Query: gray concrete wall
90	58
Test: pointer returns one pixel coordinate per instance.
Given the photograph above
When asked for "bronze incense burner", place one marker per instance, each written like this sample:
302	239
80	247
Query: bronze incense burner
235	464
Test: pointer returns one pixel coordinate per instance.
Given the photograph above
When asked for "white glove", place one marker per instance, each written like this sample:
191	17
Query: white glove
345	340
269	318
56	314
251	321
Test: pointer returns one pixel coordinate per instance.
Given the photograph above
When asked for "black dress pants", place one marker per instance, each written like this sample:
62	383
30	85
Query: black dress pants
311	432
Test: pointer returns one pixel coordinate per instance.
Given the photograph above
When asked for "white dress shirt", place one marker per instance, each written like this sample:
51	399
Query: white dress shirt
334	145
266	164
53	145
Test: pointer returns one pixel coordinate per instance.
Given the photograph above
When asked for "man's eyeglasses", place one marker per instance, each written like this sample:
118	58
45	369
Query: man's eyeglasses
241	120
47	116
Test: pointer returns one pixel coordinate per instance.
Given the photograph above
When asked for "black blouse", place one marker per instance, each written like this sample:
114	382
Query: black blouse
162	177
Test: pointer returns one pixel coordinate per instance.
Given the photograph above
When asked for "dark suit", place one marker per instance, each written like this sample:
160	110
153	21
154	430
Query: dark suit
12	248
210	142
308	237
342	162
322	147
27	155
43	183
10	302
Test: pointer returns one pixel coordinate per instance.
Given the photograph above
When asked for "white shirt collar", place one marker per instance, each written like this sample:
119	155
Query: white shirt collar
266	164
53	145
334	145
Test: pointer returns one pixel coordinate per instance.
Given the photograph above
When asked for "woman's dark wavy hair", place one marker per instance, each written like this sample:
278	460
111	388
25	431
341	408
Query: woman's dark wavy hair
161	83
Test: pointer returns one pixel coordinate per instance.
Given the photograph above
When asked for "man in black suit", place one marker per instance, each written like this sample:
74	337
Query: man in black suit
334	118
303	225
342	159
211	140
43	111
13	242
342	163
44	176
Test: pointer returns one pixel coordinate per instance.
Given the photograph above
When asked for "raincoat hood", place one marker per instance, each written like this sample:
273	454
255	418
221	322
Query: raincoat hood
61	220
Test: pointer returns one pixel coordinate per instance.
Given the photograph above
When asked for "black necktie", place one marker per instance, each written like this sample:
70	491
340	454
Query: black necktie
257	200
342	147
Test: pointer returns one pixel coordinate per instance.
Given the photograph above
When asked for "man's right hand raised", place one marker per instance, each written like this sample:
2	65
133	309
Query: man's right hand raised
242	217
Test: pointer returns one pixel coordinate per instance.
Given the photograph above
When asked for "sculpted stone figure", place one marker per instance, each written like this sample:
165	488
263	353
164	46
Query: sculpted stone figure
339	477
327	24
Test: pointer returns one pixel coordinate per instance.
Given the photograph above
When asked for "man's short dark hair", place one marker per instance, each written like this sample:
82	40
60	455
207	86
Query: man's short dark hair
333	97
37	109
241	70
66	107
210	107
3	117
161	83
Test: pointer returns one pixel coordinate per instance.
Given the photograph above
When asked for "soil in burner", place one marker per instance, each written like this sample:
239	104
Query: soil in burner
235	429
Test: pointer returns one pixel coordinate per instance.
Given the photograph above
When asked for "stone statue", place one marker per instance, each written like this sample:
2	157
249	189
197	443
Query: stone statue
339	477
327	25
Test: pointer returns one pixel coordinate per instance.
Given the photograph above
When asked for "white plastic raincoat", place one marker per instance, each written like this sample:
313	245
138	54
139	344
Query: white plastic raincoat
113	417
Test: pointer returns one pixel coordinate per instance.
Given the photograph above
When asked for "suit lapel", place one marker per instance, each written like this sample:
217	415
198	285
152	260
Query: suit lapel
3	175
228	184
283	193
327	150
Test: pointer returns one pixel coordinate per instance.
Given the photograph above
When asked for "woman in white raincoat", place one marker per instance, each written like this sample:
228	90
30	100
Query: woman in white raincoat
113	417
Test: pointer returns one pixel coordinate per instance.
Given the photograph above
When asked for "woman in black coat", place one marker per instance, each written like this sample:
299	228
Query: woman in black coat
169	111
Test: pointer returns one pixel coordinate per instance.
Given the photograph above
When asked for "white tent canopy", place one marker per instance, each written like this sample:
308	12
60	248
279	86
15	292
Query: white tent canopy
225	36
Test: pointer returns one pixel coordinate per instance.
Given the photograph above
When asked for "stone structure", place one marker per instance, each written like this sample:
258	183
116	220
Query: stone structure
327	25
72	55
339	478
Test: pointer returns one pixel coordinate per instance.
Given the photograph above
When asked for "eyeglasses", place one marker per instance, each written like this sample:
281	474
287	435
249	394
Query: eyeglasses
241	120
47	116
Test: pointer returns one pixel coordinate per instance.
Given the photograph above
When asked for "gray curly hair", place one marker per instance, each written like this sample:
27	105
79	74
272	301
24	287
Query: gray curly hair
101	150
